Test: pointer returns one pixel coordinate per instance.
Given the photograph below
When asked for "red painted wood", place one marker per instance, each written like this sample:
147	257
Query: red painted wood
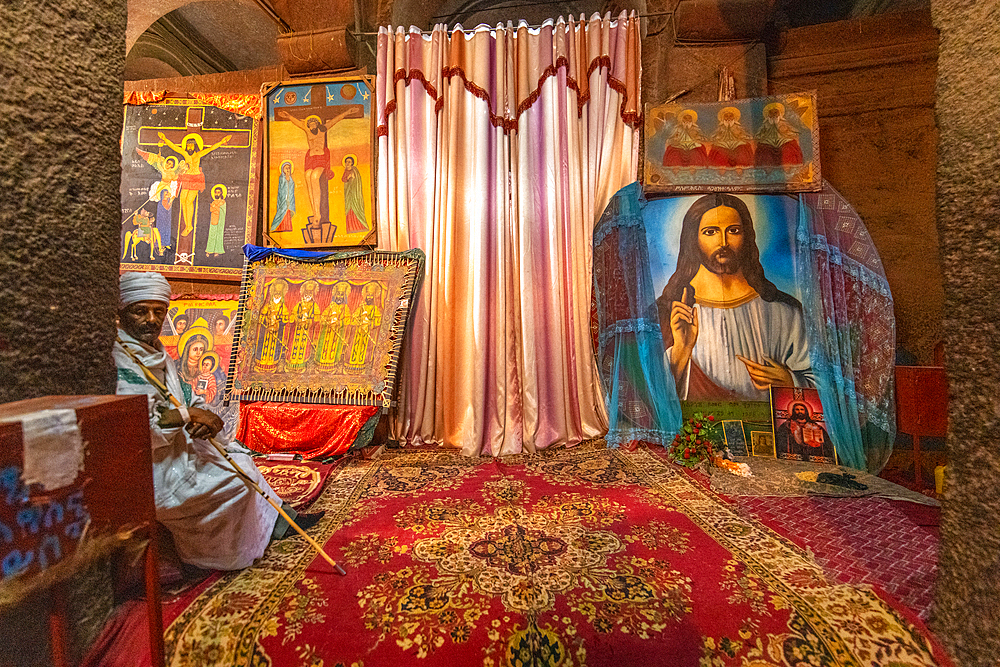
921	405
117	478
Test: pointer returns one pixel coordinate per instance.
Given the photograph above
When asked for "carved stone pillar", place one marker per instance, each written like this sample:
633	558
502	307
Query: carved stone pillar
60	216
966	613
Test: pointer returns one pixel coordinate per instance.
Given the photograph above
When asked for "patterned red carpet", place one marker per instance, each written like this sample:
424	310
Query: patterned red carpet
580	557
892	544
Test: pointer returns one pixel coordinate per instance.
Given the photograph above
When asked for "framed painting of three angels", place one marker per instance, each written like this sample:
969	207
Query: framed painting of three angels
765	144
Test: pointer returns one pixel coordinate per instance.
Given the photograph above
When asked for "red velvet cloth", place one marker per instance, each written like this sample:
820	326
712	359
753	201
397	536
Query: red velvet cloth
124	639
313	431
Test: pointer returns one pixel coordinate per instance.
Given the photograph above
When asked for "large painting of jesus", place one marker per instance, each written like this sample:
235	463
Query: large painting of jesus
189	188
722	268
319	164
709	303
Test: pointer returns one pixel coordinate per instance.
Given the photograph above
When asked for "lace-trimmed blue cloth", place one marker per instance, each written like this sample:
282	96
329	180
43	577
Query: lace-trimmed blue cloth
851	326
641	397
846	304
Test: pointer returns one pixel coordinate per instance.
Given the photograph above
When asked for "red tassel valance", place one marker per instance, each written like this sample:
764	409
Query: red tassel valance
508	67
243	104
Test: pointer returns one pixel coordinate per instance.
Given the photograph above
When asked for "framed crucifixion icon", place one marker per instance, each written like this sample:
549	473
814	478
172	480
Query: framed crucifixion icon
319	164
189	185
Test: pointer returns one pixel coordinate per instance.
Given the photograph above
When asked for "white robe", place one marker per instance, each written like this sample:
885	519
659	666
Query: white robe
217	521
754	329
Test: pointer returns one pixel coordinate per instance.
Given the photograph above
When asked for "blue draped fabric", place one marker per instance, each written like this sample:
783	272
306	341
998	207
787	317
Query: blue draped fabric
846	304
640	394
255	253
836	390
851	327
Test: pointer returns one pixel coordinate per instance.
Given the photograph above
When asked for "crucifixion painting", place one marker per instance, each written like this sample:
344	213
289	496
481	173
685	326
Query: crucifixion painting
319	164
182	161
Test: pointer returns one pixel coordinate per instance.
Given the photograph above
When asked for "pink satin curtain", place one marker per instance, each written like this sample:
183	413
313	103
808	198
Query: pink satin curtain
498	150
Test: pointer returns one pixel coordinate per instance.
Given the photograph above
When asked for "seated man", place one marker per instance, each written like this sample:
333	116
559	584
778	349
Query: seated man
216	519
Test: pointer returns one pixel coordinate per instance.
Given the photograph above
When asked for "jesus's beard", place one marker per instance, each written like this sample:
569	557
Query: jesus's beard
715	264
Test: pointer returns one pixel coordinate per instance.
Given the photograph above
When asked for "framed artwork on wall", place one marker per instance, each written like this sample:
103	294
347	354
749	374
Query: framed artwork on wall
800	432
198	336
319	163
189	185
764	144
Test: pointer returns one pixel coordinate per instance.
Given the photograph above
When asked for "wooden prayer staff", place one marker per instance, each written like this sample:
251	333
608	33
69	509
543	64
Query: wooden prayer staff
162	388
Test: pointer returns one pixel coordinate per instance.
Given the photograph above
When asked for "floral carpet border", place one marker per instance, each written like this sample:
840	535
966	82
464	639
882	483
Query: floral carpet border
234	600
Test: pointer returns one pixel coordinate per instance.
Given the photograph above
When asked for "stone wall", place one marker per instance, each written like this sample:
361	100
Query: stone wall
967	611
875	83
60	119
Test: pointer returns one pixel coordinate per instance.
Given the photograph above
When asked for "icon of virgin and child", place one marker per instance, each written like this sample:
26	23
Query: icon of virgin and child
202	354
728	331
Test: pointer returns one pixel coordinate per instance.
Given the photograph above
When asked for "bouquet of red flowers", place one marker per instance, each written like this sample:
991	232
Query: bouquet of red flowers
699	440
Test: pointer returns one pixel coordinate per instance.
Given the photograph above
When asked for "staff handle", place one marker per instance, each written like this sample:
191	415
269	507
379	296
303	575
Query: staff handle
162	388
256	487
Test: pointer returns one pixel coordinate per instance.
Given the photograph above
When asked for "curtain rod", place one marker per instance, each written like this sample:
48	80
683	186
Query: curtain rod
502	5
638	16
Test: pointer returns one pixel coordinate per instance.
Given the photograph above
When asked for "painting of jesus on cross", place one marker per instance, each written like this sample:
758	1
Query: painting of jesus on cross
319	165
189	188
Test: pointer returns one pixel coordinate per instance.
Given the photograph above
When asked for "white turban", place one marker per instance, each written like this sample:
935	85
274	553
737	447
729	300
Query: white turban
135	286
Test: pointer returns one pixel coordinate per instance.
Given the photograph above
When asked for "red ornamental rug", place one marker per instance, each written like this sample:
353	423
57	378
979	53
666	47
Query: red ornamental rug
578	557
298	484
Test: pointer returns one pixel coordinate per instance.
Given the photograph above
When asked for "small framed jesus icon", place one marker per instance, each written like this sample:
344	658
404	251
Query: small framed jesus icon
799	428
762	444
